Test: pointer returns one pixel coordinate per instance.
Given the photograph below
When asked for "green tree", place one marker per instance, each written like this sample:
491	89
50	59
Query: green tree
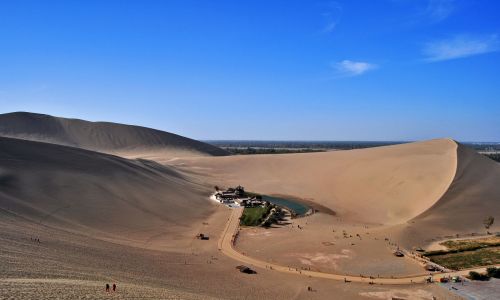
478	276
493	272
488	222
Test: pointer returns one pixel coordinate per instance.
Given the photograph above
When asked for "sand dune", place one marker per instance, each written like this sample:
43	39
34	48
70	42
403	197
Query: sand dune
431	182
99	194
423	190
436	185
473	195
123	140
409	194
385	185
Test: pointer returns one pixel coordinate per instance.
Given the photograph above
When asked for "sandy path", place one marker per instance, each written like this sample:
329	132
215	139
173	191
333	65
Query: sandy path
225	245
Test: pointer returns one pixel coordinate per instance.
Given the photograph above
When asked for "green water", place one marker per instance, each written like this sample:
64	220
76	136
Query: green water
298	208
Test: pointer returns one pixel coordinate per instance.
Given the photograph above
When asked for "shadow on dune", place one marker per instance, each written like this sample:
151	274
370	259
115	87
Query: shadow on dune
97	194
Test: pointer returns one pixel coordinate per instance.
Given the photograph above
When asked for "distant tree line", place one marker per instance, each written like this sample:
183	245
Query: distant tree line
494	156
261	150
251	150
326	145
491	272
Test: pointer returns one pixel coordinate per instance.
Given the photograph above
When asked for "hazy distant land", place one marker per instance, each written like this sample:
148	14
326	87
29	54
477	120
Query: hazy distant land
490	149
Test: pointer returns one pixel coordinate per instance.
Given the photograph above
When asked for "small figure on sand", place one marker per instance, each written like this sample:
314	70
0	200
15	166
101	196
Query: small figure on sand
107	287
114	287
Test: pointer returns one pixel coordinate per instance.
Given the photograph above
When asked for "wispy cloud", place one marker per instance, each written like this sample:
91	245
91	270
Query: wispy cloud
459	47
427	11
332	16
349	68
439	10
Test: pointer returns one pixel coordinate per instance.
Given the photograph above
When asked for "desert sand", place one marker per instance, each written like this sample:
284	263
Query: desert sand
104	218
99	194
231	235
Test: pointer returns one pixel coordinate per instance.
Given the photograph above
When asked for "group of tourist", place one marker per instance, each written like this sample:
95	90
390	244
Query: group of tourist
107	287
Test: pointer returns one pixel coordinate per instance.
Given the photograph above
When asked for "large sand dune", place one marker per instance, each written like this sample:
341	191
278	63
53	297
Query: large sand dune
124	140
386	185
407	195
435	186
473	195
99	194
438	182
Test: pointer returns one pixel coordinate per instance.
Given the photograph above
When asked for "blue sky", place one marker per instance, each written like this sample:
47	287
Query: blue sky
287	70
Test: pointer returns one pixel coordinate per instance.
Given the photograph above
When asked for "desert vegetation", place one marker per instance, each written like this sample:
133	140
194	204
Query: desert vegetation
491	272
262	215
463	254
468	259
254	150
488	221
494	156
254	216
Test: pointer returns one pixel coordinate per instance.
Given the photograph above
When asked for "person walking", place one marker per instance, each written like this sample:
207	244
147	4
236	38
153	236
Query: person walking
114	287
107	287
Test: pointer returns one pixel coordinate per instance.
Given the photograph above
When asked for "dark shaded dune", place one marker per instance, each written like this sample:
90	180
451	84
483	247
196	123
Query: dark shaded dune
473	195
98	194
99	136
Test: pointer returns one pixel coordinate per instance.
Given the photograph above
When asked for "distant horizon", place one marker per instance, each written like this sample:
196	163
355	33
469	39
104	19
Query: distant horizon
258	140
342	141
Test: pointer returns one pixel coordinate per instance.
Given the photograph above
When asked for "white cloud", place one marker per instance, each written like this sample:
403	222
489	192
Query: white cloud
428	11
439	10
459	47
353	68
330	26
332	16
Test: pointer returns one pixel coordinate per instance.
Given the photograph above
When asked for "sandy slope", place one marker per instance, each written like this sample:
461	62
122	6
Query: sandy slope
473	195
73	266
124	140
99	194
384	185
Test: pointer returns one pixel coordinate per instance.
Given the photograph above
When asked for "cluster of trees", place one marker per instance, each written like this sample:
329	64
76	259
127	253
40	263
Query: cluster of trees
338	145
493	272
254	216
490	273
494	156
488	221
277	215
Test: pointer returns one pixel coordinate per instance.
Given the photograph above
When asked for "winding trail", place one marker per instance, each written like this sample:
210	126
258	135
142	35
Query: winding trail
226	242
